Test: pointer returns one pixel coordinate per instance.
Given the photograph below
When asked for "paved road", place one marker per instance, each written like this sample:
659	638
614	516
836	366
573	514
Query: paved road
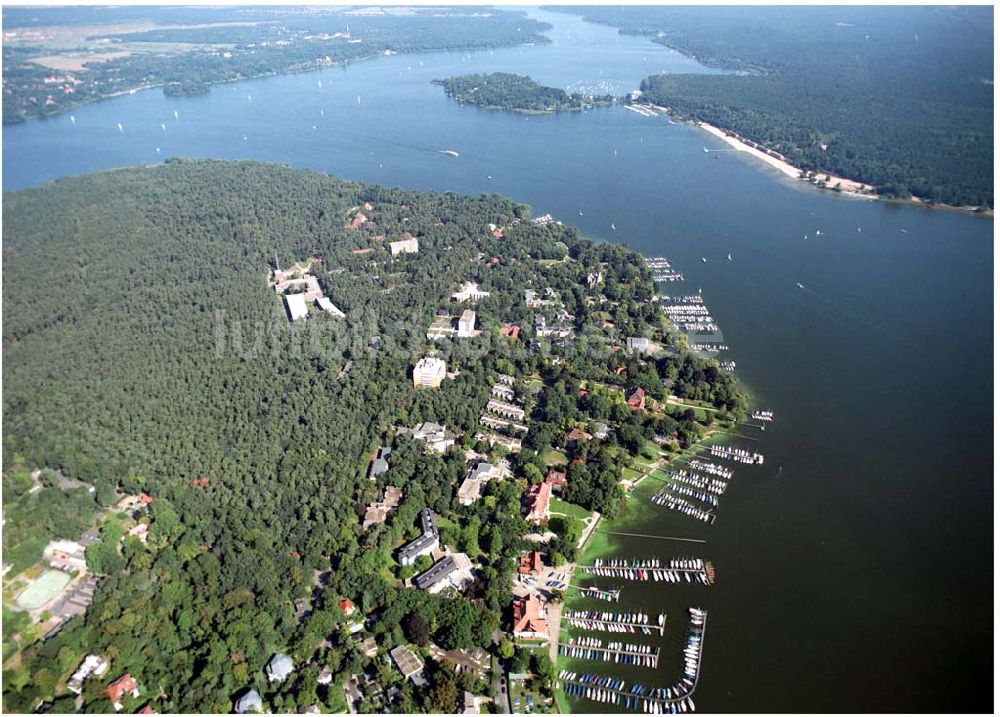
501	698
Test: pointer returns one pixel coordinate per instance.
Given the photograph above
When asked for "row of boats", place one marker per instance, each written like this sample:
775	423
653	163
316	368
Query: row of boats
738	455
695	480
662	270
729	366
624	623
713	469
708	498
607	690
598	594
697	346
654	575
671	502
617	652
766	416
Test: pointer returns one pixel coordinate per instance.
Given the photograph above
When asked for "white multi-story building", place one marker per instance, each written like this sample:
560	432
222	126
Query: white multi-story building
429	372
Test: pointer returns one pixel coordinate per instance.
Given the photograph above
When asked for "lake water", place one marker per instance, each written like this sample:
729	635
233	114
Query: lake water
855	569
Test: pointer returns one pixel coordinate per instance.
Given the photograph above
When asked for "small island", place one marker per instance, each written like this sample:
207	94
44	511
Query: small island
503	91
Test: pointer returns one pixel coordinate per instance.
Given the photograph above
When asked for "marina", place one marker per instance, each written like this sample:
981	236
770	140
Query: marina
766	416
711	468
592	648
662	270
598	594
630	623
738	455
639	698
696	480
670	502
691	570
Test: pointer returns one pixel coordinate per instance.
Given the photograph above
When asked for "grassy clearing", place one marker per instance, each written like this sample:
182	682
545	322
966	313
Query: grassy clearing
554	457
560	506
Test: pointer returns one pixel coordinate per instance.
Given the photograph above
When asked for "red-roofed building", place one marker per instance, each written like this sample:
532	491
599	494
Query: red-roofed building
556	479
538	502
511	331
531	563
583	392
619	371
529	618
146	499
496	234
637	401
367	250
358	220
347	607
577	435
147	710
124	685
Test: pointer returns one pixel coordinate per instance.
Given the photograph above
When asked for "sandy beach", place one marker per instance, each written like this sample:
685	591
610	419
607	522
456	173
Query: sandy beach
848	187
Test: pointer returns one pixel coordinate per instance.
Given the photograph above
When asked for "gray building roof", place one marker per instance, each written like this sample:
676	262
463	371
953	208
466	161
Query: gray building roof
438	572
428	535
279	666
381	463
249	702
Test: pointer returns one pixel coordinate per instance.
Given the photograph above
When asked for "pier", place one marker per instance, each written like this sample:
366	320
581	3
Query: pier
589	648
658	537
711	468
738	455
655	700
670	502
680	570
627	623
597	593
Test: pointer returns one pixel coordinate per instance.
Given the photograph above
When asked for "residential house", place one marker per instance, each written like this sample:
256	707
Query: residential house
347	607
529	618
249	702
380	464
473	486
530	563
140	531
437	437
406	662
377	512
124	685
511	331
578	435
637	401
556	479
512	445
91	665
357	220
279	667
66	555
637	344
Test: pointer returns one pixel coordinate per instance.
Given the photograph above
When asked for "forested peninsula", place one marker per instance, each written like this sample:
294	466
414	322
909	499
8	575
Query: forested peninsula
504	91
57	58
899	99
218	445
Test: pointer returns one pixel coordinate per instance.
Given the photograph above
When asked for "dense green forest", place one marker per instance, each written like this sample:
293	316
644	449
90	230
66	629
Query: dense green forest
255	42
509	92
143	350
900	98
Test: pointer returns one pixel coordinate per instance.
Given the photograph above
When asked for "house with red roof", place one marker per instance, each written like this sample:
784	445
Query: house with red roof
124	685
511	331
530	563
347	607
577	435
538	498
637	401
529	618
556	479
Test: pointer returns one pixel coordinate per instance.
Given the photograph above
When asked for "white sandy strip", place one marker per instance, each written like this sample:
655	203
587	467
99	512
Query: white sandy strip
783	167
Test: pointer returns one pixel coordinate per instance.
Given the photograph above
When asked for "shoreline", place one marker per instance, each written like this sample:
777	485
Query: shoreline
856	189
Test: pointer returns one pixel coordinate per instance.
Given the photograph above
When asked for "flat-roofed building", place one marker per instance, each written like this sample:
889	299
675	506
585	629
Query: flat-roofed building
429	372
296	306
404	246
467	323
454	571
425	544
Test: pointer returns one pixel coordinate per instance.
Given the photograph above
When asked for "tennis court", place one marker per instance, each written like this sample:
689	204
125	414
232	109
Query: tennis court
43	590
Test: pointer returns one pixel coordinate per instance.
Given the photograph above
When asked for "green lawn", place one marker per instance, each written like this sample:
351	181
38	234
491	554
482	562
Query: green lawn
561	506
554	457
